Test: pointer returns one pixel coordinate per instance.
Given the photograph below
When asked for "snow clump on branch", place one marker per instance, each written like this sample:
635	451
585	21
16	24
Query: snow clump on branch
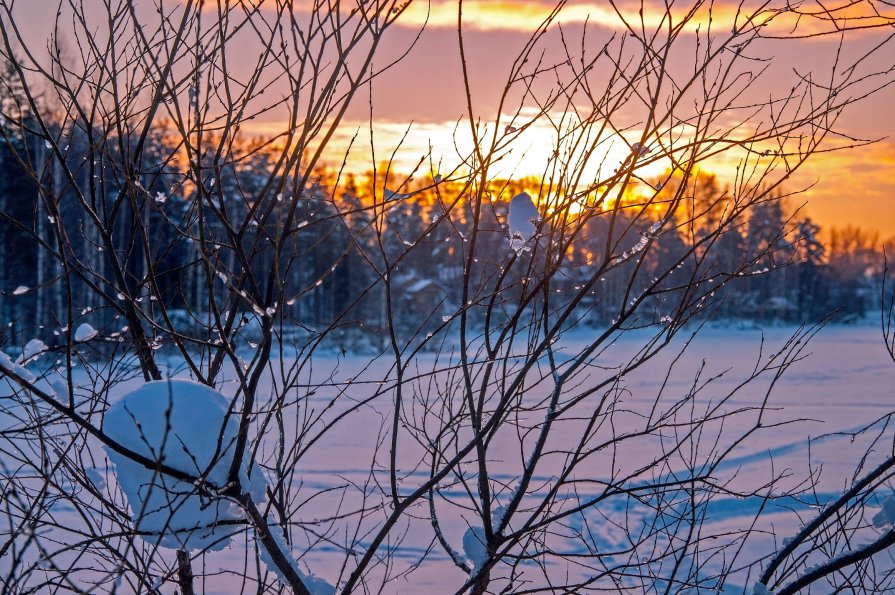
522	221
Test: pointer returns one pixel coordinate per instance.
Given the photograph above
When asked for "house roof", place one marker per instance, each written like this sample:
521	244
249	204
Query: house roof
419	285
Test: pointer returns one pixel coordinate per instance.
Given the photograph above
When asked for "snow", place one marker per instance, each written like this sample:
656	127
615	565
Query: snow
21	289
843	358
96	477
390	196
419	285
314	584
185	424
497	516
521	221
8	365
886	515
641	150
59	387
85	332
474	547
760	589
33	348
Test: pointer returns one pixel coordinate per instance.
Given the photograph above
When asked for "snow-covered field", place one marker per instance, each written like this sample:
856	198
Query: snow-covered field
844	383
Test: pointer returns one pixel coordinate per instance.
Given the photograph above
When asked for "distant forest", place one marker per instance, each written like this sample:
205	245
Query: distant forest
341	255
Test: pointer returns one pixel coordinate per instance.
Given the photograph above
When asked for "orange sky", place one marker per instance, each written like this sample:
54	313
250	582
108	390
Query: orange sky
422	98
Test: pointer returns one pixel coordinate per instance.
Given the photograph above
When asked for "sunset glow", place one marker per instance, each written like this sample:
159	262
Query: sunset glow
419	119
848	186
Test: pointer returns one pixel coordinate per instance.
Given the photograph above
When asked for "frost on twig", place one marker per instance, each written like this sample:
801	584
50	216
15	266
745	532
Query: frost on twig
645	238
390	196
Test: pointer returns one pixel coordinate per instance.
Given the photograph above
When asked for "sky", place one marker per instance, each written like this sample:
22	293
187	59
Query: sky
422	98
419	107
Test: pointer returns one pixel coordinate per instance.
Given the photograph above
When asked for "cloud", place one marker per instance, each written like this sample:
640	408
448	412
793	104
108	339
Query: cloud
775	17
853	186
840	187
810	18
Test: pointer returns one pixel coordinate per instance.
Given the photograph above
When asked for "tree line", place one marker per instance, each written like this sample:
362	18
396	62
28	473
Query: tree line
358	243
